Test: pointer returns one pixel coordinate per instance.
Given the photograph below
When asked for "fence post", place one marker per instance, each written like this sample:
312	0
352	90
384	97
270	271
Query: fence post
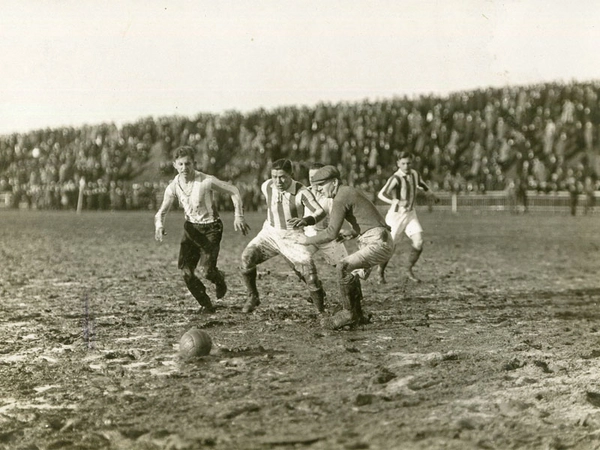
80	196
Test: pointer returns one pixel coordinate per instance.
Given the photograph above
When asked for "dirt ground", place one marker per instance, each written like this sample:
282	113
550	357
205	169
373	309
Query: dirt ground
498	348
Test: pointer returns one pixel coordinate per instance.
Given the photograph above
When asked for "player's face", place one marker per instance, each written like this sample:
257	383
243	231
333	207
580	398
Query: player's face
328	189
184	165
404	164
281	179
311	174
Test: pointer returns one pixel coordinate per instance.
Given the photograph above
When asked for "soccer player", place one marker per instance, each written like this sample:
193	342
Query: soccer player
400	191
203	229
335	250
375	244
287	201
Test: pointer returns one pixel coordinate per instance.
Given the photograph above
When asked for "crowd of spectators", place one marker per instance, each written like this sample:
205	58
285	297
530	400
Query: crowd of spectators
544	136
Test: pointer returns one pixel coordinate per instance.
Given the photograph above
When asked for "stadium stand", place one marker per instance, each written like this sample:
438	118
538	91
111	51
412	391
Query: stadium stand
493	147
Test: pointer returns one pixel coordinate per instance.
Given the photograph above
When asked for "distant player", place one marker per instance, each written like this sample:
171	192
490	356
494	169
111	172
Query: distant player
400	191
203	229
288	201
375	244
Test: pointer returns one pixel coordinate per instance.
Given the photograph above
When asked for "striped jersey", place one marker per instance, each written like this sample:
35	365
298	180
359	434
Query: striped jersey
295	202
197	202
326	205
403	187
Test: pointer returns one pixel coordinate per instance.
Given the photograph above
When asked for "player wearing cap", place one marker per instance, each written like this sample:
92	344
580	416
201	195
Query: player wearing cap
400	191
375	244
203	229
335	250
287	202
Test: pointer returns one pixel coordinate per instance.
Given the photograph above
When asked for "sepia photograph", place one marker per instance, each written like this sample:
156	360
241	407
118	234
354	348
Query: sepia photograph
320	224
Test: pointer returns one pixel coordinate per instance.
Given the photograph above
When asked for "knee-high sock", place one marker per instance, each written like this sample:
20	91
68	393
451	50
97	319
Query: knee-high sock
249	276
413	257
318	297
351	295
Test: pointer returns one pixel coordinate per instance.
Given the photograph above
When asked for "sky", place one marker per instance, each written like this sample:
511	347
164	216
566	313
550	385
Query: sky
76	62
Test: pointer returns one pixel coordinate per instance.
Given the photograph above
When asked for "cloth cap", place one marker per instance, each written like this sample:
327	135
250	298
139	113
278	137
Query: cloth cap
325	174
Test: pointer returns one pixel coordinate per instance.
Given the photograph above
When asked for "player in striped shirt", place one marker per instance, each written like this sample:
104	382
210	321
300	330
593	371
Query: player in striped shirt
203	229
290	208
400	191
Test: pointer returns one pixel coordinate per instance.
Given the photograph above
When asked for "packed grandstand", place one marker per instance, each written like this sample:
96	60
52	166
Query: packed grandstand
545	137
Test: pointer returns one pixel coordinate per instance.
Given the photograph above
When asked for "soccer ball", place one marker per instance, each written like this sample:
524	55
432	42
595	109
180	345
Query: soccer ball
195	343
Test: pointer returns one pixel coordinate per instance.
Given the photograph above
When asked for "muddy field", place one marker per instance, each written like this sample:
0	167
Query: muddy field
498	348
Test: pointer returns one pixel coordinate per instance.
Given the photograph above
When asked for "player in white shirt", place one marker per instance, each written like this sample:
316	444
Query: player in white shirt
203	229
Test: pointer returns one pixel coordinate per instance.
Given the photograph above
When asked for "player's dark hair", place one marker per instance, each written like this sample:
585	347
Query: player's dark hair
282	164
405	154
316	165
183	151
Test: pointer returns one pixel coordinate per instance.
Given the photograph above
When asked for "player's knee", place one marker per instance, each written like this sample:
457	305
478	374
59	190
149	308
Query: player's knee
313	282
417	242
309	273
343	271
249	259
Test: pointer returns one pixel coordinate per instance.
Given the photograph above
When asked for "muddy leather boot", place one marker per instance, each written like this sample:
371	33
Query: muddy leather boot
351	296
253	300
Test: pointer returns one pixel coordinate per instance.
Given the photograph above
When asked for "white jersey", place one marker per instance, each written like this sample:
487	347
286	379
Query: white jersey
197	202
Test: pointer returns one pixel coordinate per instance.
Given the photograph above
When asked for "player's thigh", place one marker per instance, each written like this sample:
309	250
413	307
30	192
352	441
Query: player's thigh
414	230
397	221
299	255
259	249
369	255
209	251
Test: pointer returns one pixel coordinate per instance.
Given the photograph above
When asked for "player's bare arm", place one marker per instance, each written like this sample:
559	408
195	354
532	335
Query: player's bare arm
159	218
239	222
427	190
384	193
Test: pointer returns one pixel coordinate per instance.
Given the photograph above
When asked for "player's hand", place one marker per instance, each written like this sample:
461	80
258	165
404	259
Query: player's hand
159	233
346	235
239	224
297	222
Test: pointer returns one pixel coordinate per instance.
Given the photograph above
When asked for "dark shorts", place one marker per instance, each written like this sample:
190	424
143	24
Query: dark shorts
200	244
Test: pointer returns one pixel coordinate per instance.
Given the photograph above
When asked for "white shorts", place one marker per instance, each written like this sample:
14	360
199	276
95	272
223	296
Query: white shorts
333	251
403	222
273	241
375	247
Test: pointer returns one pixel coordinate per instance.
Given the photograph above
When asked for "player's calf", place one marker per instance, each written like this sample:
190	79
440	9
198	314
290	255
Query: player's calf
198	290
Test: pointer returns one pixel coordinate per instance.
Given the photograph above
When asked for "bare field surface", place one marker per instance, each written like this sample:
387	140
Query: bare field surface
498	348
